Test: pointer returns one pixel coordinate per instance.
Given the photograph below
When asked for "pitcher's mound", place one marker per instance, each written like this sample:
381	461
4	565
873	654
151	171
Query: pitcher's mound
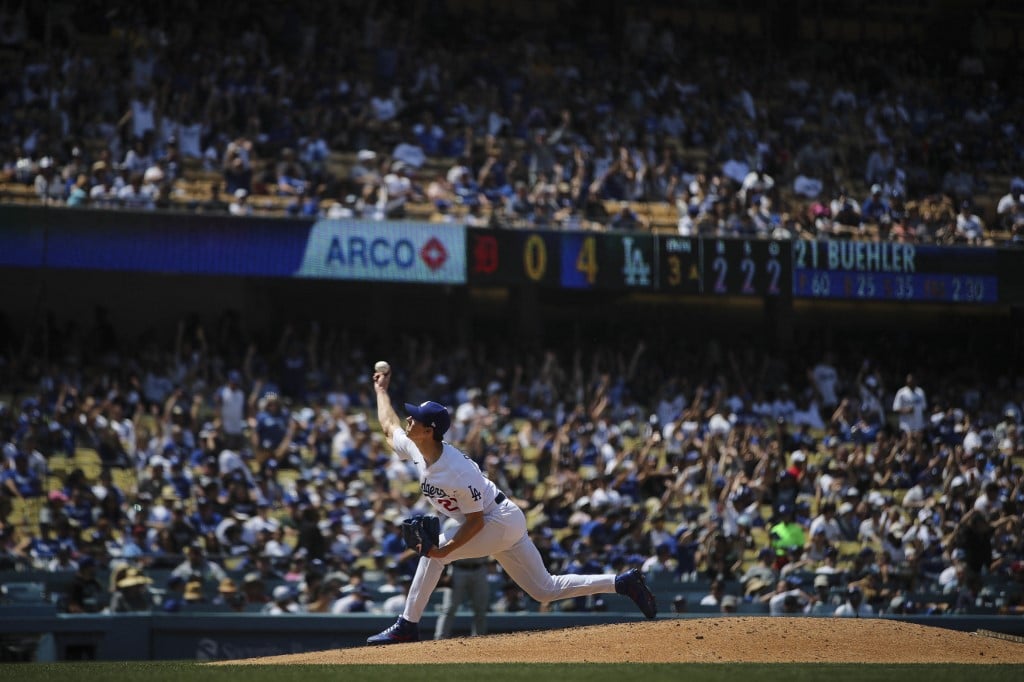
704	640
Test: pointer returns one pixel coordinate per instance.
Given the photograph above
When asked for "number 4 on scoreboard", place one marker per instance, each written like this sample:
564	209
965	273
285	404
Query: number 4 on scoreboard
636	270
586	259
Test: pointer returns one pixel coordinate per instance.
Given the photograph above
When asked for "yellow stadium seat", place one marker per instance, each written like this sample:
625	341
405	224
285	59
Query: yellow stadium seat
125	479
848	549
286	477
87	457
760	535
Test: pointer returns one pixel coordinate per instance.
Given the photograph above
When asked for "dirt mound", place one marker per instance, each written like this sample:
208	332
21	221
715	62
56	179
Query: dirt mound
704	640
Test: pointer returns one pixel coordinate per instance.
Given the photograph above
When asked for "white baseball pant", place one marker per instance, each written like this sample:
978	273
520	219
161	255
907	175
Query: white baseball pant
505	538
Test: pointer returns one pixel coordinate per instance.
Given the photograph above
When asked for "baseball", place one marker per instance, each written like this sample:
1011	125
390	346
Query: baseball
381	367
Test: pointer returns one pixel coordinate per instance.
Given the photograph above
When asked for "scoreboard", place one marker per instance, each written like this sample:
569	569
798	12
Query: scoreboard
679	265
512	258
745	267
618	262
733	267
891	271
630	262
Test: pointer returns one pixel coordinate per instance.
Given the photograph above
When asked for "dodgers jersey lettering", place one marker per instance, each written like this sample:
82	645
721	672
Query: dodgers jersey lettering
454	484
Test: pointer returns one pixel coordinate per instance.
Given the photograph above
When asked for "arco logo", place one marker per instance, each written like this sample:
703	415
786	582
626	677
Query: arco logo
434	254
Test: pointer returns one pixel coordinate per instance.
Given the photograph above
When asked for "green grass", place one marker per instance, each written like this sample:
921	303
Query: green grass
172	671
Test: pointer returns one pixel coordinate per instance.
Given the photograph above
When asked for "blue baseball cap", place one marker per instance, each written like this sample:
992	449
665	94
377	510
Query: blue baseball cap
434	415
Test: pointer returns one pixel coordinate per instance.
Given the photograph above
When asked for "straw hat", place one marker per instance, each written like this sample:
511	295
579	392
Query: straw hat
133	577
755	585
193	590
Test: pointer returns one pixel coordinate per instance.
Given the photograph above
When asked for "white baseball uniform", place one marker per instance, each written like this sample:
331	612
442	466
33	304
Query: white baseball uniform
914	398
454	485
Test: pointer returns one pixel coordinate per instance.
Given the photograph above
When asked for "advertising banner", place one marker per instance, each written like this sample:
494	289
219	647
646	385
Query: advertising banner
393	252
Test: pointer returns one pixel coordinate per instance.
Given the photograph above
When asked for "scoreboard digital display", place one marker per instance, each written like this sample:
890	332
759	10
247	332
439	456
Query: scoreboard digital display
702	266
504	258
608	262
742	267
891	271
679	265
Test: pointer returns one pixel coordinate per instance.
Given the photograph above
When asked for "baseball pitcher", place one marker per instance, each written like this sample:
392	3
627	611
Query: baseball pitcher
488	524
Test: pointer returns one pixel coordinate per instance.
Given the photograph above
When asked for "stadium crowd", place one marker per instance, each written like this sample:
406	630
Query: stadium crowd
823	478
507	123
254	476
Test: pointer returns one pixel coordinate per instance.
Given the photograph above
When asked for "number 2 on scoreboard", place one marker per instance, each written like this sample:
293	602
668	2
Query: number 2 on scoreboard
721	267
586	259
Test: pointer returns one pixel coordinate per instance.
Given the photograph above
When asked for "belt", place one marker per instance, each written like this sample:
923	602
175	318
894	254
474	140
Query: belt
499	498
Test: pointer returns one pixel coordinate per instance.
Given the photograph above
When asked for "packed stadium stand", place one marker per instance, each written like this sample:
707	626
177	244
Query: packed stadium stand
181	438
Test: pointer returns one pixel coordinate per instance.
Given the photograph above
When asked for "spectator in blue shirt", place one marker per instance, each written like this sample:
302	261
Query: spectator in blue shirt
20	481
174	597
271	426
875	208
205	519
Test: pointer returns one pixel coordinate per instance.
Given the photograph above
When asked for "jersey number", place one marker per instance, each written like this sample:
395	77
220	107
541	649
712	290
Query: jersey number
449	503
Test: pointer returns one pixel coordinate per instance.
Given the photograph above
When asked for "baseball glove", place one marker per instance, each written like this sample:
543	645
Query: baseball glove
421	533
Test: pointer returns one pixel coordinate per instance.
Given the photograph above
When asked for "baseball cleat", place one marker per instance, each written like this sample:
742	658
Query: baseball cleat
401	631
632	584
